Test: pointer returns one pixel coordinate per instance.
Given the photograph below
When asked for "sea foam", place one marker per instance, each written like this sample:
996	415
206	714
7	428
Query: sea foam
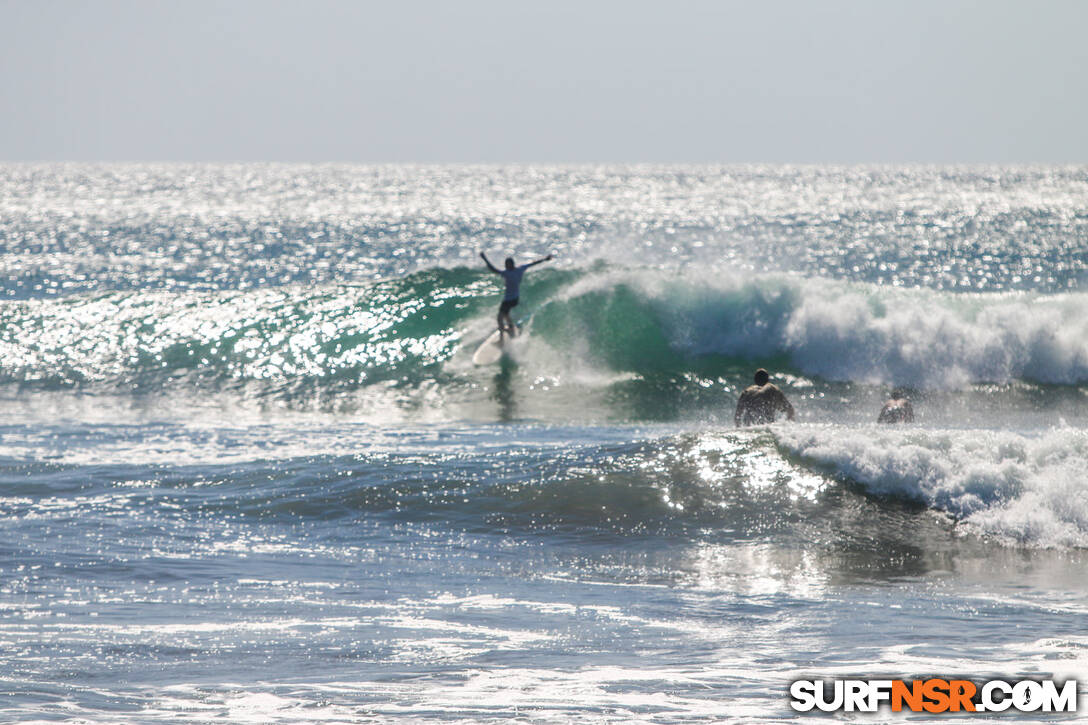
835	330
1025	488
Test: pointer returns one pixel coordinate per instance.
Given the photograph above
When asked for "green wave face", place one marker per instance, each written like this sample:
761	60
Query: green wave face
390	330
664	339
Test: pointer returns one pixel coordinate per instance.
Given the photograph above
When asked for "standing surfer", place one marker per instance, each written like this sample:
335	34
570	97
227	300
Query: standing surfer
512	274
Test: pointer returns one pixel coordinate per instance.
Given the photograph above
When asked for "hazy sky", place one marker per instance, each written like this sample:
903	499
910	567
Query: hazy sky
507	80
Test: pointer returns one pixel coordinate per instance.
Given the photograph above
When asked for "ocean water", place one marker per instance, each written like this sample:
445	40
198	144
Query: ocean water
249	473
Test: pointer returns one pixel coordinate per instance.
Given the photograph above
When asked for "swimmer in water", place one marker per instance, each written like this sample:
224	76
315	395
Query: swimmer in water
897	409
759	403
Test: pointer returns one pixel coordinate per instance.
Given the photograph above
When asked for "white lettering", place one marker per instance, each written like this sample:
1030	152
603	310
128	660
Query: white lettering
988	701
1027	696
879	691
1064	701
835	702
855	696
804	695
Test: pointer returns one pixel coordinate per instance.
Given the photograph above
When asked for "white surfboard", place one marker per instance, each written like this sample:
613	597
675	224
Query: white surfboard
491	350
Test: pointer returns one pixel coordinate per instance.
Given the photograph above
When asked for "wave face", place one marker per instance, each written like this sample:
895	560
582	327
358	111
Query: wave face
866	488
383	331
646	323
580	485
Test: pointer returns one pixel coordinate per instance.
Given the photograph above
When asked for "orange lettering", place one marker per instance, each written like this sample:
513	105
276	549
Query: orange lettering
960	694
936	690
912	696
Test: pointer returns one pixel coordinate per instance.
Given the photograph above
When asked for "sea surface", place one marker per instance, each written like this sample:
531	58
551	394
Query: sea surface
249	473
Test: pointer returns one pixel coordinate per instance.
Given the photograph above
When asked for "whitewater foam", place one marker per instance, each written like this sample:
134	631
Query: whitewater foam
1023	488
840	331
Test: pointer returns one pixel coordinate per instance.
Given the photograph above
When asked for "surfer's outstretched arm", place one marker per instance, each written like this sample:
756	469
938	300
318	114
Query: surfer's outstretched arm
542	259
490	266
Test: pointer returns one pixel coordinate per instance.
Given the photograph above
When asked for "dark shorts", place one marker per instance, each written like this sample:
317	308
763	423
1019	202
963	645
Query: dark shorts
507	305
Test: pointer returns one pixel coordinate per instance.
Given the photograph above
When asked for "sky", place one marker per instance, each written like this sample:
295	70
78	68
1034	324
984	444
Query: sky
483	81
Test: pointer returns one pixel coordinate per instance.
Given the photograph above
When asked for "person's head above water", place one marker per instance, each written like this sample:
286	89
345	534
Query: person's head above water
900	394
509	262
762	377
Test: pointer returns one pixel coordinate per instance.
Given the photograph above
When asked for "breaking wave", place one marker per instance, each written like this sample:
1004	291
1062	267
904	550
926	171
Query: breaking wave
1025	488
637	321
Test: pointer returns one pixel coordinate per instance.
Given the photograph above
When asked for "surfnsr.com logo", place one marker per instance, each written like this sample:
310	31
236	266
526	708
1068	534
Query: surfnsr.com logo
934	695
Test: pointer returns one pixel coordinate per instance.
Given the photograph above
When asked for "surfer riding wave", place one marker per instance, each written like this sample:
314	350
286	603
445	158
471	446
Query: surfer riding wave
512	275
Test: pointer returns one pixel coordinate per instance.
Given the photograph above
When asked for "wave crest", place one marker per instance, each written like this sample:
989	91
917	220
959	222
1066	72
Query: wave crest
838	331
638	321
